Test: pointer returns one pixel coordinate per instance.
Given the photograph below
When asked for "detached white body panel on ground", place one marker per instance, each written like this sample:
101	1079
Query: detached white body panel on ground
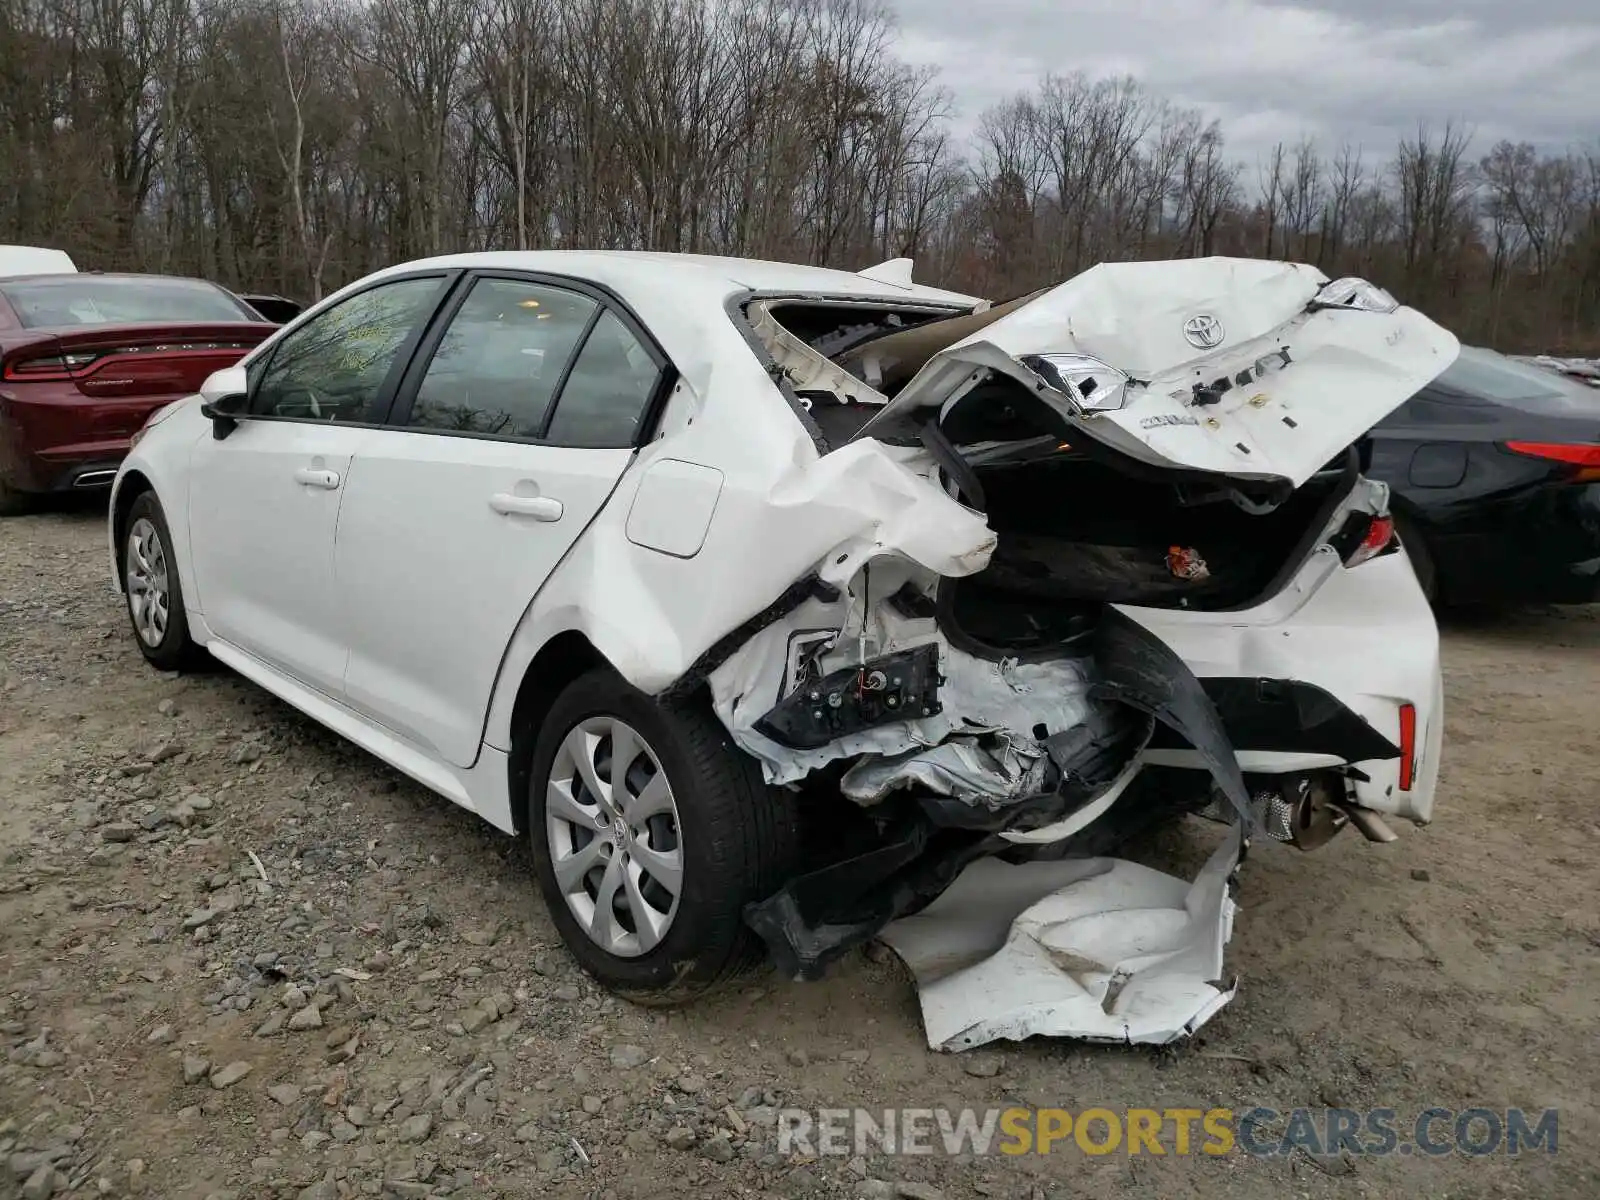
1095	948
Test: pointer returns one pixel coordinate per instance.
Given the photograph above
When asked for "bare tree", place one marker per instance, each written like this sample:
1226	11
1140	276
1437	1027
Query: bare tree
1347	177
297	144
1303	201
1435	207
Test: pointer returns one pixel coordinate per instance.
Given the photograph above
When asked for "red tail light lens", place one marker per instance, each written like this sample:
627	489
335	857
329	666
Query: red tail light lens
1379	534
1584	459
78	363
1408	746
51	366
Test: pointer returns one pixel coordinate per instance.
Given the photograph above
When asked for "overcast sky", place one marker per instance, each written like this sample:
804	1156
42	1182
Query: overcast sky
1365	71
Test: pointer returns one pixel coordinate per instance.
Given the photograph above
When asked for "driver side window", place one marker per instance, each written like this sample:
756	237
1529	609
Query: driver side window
332	368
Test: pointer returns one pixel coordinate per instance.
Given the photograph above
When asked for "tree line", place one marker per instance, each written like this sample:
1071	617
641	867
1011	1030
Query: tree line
294	145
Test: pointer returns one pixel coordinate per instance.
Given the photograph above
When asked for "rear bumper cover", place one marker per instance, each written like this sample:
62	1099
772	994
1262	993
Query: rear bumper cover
62	446
1297	682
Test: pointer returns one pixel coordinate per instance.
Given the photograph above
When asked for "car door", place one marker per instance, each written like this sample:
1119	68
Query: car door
513	427
264	500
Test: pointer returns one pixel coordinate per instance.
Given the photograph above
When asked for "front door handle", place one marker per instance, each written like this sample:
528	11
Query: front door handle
317	479
540	508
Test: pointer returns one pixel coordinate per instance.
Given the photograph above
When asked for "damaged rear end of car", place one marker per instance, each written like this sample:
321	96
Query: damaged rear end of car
1069	505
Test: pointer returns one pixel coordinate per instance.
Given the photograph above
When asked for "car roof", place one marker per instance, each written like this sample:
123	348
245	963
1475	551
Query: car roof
626	270
77	276
10	320
681	299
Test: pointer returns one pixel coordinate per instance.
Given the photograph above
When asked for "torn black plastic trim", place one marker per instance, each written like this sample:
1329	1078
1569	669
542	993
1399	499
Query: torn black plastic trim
1139	669
792	597
957	468
1288	715
817	917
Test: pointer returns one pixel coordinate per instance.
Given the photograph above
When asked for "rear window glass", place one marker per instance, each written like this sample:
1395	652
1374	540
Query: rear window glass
86	300
1484	377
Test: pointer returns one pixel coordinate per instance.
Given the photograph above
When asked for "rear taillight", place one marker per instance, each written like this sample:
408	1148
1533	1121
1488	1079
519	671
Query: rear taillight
1583	459
78	363
1379	535
50	366
1408	746
1363	536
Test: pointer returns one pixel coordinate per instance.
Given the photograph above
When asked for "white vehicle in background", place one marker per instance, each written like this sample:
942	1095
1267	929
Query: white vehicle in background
763	599
35	260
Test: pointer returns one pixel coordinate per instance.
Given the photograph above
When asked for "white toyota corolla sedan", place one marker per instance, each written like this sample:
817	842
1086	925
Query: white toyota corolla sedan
764	599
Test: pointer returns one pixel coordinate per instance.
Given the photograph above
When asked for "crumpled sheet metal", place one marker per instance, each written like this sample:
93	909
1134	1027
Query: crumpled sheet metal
989	770
1098	949
978	695
881	501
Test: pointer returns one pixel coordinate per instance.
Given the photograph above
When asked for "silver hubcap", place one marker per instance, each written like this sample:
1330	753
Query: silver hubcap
612	826
146	571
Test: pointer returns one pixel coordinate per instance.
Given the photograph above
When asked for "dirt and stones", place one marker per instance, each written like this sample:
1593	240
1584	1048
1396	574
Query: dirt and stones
239	958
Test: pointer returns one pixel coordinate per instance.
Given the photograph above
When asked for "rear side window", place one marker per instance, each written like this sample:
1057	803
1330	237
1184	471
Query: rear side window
1482	377
501	360
73	300
333	367
607	394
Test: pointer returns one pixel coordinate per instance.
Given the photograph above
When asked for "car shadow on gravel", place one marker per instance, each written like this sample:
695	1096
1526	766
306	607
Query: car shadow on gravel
75	507
1533	624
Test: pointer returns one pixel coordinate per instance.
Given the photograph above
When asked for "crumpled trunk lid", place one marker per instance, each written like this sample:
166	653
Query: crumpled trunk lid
1231	369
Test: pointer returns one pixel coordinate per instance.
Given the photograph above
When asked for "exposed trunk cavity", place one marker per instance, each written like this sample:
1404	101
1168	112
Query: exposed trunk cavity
1075	533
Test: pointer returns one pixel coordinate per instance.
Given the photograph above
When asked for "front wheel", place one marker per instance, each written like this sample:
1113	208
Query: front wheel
650	833
153	592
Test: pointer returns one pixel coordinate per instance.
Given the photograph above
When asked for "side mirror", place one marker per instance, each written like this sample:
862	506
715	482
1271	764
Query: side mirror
226	412
225	399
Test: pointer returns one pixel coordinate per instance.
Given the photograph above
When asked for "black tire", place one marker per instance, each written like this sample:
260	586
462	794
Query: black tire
1416	548
738	840
174	649
12	502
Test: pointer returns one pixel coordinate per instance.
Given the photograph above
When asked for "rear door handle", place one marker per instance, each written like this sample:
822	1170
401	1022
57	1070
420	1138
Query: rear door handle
317	479
540	508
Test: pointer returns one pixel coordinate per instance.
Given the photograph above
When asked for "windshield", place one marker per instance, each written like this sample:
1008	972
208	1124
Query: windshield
107	300
1484	377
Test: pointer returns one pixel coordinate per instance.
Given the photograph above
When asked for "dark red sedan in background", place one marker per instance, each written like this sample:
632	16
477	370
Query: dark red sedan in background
86	357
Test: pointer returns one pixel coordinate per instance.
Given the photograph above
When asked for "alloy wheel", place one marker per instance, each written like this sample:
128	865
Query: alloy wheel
149	594
611	823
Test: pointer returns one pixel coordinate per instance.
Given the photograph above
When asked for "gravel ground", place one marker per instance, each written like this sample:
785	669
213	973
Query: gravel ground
240	959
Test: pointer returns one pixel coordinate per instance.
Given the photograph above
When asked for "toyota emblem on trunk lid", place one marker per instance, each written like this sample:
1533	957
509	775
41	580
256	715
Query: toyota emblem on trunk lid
1203	331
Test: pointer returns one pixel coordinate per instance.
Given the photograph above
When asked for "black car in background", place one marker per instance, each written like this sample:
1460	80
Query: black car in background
278	309
1494	470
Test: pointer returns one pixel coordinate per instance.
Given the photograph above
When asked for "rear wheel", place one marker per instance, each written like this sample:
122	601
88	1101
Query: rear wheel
151	587
12	502
650	833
